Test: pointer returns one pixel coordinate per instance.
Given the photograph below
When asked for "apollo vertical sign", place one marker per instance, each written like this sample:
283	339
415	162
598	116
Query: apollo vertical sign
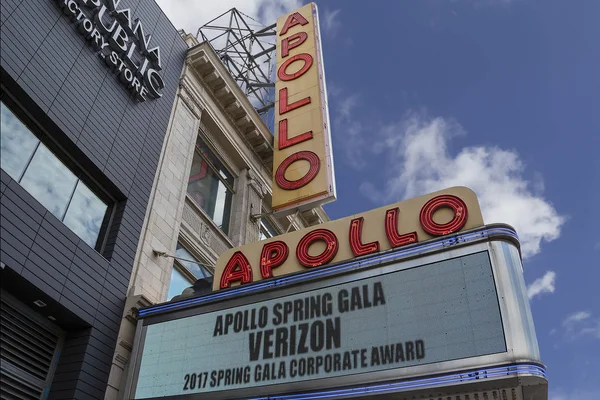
302	160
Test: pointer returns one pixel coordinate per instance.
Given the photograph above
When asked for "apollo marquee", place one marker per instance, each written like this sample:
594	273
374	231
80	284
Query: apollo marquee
120	41
395	226
416	299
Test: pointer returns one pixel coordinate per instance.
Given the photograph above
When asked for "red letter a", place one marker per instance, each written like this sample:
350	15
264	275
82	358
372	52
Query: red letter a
237	269
293	20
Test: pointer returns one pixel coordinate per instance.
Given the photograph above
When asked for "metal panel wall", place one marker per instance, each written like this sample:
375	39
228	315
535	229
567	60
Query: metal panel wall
30	347
87	111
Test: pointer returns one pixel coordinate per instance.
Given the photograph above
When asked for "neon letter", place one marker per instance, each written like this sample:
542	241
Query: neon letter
331	248
272	256
454	225
293	20
391	230
237	269
357	246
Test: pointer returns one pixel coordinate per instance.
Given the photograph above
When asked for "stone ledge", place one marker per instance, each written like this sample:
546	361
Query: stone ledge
206	64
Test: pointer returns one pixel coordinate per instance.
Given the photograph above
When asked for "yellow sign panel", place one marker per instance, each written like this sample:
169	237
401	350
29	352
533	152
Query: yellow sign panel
303	174
401	224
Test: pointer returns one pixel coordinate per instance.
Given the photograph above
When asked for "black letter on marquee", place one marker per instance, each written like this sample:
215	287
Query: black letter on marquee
420	349
378	297
410	351
218	326
302	348
255	342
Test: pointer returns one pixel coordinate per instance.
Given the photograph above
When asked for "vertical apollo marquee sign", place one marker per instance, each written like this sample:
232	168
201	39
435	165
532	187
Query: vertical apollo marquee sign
303	174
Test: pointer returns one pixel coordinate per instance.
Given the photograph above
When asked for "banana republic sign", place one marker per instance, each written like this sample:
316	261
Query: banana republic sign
121	42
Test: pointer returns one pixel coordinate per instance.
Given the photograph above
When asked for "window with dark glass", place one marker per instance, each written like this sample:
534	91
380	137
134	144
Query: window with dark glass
210	185
187	269
37	169
266	230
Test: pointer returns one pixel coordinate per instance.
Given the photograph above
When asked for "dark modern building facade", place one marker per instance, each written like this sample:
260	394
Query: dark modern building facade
87	93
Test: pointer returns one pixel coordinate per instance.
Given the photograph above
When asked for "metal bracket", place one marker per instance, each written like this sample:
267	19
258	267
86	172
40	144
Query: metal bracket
167	255
256	217
292	220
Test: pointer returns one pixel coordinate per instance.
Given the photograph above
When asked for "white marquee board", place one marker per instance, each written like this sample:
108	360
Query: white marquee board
447	310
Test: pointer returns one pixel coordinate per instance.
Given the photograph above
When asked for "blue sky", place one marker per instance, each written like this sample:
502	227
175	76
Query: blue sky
497	95
501	96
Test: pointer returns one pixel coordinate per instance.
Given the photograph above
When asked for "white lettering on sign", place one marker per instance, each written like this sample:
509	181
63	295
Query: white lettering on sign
121	42
437	312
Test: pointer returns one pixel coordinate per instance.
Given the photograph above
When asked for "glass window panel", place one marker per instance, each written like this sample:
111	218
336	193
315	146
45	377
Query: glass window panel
49	181
17	144
222	206
206	187
179	282
85	214
199	182
198	270
206	152
266	230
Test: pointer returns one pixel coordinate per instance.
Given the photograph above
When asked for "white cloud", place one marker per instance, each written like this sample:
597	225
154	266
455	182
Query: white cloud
345	121
330	21
545	284
192	14
575	394
581	323
346	108
417	155
575	318
592	330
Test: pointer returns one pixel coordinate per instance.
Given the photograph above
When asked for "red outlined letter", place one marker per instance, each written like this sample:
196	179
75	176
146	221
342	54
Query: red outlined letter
284	141
237	269
293	20
313	170
454	225
272	256
284	76
283	102
358	248
331	248
284	107
391	230
287	44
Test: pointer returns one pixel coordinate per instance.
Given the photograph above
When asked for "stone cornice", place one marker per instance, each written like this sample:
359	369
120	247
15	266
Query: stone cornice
210	70
190	99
